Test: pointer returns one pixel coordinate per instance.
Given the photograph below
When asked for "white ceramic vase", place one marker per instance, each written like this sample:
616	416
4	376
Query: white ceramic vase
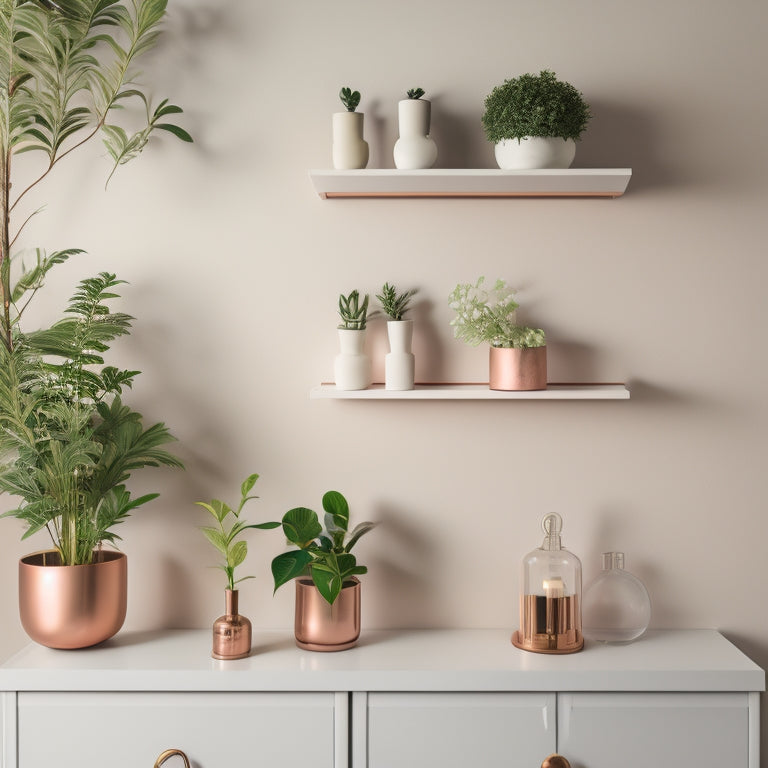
350	150
399	364
352	367
415	148
532	152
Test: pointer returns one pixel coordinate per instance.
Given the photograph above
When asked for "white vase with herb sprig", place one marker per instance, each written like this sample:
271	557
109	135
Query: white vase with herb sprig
518	354
400	363
352	366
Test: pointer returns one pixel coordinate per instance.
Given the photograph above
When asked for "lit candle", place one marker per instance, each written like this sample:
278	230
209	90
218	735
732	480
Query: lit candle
554	587
553	590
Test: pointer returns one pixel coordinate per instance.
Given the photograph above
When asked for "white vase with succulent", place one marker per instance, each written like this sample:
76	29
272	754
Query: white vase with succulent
400	363
68	443
535	121
415	148
350	150
352	366
518	354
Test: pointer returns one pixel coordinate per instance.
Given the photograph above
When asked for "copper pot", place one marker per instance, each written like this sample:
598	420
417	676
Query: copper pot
517	369
231	632
320	626
72	606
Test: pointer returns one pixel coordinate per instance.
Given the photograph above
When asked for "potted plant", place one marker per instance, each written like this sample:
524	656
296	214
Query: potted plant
352	366
231	632
415	148
518	354
534	121
325	570
67	440
399	364
350	150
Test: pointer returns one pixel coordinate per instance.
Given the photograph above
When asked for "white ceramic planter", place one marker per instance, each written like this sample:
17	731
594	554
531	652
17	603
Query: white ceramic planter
352	367
350	150
532	152
415	148
399	364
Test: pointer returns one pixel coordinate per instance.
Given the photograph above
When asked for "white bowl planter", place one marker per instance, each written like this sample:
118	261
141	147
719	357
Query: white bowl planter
533	152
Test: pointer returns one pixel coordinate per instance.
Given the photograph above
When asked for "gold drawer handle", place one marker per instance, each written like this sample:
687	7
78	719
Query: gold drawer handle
170	753
555	761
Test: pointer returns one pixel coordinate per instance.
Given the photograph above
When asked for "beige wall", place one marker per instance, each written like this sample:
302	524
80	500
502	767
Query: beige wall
235	266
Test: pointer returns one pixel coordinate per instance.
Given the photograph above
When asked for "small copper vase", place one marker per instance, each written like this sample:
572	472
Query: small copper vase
231	632
320	626
72	606
515	370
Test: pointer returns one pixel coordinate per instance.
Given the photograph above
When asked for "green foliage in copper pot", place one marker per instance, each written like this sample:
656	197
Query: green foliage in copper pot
349	98
323	552
487	316
535	105
226	535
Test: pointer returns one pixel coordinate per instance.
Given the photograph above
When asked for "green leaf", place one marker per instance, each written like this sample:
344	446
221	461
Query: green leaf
289	565
301	526
360	530
248	484
336	505
327	582
175	130
237	554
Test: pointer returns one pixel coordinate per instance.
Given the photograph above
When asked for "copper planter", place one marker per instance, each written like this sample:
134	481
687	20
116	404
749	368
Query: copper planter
72	606
231	632
517	369
320	626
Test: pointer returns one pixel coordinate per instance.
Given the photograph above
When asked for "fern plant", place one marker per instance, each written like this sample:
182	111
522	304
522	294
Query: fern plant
395	304
225	535
67	441
323	552
487	315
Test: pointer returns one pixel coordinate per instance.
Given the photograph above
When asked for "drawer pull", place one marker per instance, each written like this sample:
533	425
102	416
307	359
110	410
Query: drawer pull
555	761
170	753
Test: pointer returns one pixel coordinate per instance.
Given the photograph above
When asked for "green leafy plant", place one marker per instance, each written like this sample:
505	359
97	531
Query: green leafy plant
323	552
535	105
395	304
67	441
353	312
488	316
415	93
225	536
349	98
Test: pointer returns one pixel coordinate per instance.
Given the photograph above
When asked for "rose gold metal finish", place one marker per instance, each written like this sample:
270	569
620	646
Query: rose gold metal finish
517	370
72	606
549	625
231	632
171	752
555	761
320	626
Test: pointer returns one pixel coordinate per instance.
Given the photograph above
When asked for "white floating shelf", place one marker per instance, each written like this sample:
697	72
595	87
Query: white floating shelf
473	392
460	182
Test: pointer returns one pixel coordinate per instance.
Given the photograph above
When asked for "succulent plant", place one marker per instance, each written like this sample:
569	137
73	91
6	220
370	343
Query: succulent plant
353	312
415	93
349	98
395	305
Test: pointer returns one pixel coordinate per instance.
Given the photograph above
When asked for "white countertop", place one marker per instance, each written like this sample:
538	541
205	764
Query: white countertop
402	660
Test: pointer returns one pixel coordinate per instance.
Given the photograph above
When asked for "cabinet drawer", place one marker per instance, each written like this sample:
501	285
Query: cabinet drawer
129	730
456	730
637	730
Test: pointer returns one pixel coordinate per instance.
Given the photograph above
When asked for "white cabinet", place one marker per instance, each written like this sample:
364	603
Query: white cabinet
130	730
401	699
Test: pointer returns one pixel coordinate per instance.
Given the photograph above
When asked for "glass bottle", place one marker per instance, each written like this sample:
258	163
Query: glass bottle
617	608
550	596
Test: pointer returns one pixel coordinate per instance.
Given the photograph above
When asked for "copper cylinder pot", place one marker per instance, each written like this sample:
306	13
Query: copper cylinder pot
320	626
72	606
515	370
231	632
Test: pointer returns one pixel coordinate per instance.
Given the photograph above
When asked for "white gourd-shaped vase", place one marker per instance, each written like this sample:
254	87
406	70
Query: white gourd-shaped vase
415	148
350	150
352	367
400	363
